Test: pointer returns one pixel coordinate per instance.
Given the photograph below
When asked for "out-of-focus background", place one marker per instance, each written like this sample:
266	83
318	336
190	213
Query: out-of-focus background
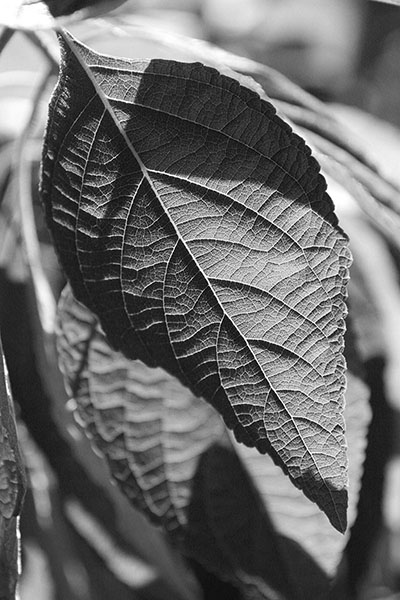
342	51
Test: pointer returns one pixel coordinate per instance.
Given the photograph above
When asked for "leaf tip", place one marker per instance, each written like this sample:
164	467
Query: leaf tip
333	502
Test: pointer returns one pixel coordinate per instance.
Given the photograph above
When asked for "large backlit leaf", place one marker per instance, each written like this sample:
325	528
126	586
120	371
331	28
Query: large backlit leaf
170	454
196	225
12	488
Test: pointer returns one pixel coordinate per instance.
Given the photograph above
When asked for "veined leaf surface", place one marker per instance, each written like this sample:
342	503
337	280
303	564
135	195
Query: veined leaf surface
12	473
196	225
149	427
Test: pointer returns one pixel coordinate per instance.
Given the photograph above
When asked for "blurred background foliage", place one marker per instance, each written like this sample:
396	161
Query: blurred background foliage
342	51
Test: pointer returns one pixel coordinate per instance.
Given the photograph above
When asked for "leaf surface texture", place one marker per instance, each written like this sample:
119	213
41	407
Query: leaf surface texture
151	429
196	225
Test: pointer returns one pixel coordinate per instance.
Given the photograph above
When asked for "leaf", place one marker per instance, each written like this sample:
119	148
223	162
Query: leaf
82	478
208	246
47	14
12	488
150	428
170	454
219	526
9	557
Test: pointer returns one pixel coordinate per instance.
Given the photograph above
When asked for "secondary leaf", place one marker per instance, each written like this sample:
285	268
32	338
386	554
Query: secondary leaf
9	557
12	488
171	456
206	244
11	469
46	14
148	426
341	154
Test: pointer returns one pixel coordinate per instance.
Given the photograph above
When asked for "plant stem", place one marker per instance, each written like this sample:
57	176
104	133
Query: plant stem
23	181
48	50
5	37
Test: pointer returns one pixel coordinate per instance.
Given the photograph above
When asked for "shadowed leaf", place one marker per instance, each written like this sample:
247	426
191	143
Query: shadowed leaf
149	427
12	488
208	246
9	557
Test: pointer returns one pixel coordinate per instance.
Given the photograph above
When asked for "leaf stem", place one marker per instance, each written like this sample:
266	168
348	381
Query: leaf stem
23	182
5	37
49	51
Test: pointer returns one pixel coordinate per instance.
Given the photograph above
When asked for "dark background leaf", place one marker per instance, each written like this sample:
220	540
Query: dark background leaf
80	478
148	426
247	233
12	488
12	475
9	557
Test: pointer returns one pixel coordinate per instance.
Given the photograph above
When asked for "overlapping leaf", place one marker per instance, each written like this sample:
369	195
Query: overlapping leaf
12	488
46	14
11	470
150	428
170	454
196	225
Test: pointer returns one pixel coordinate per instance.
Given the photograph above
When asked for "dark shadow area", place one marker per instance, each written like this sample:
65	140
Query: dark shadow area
368	524
231	535
60	8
